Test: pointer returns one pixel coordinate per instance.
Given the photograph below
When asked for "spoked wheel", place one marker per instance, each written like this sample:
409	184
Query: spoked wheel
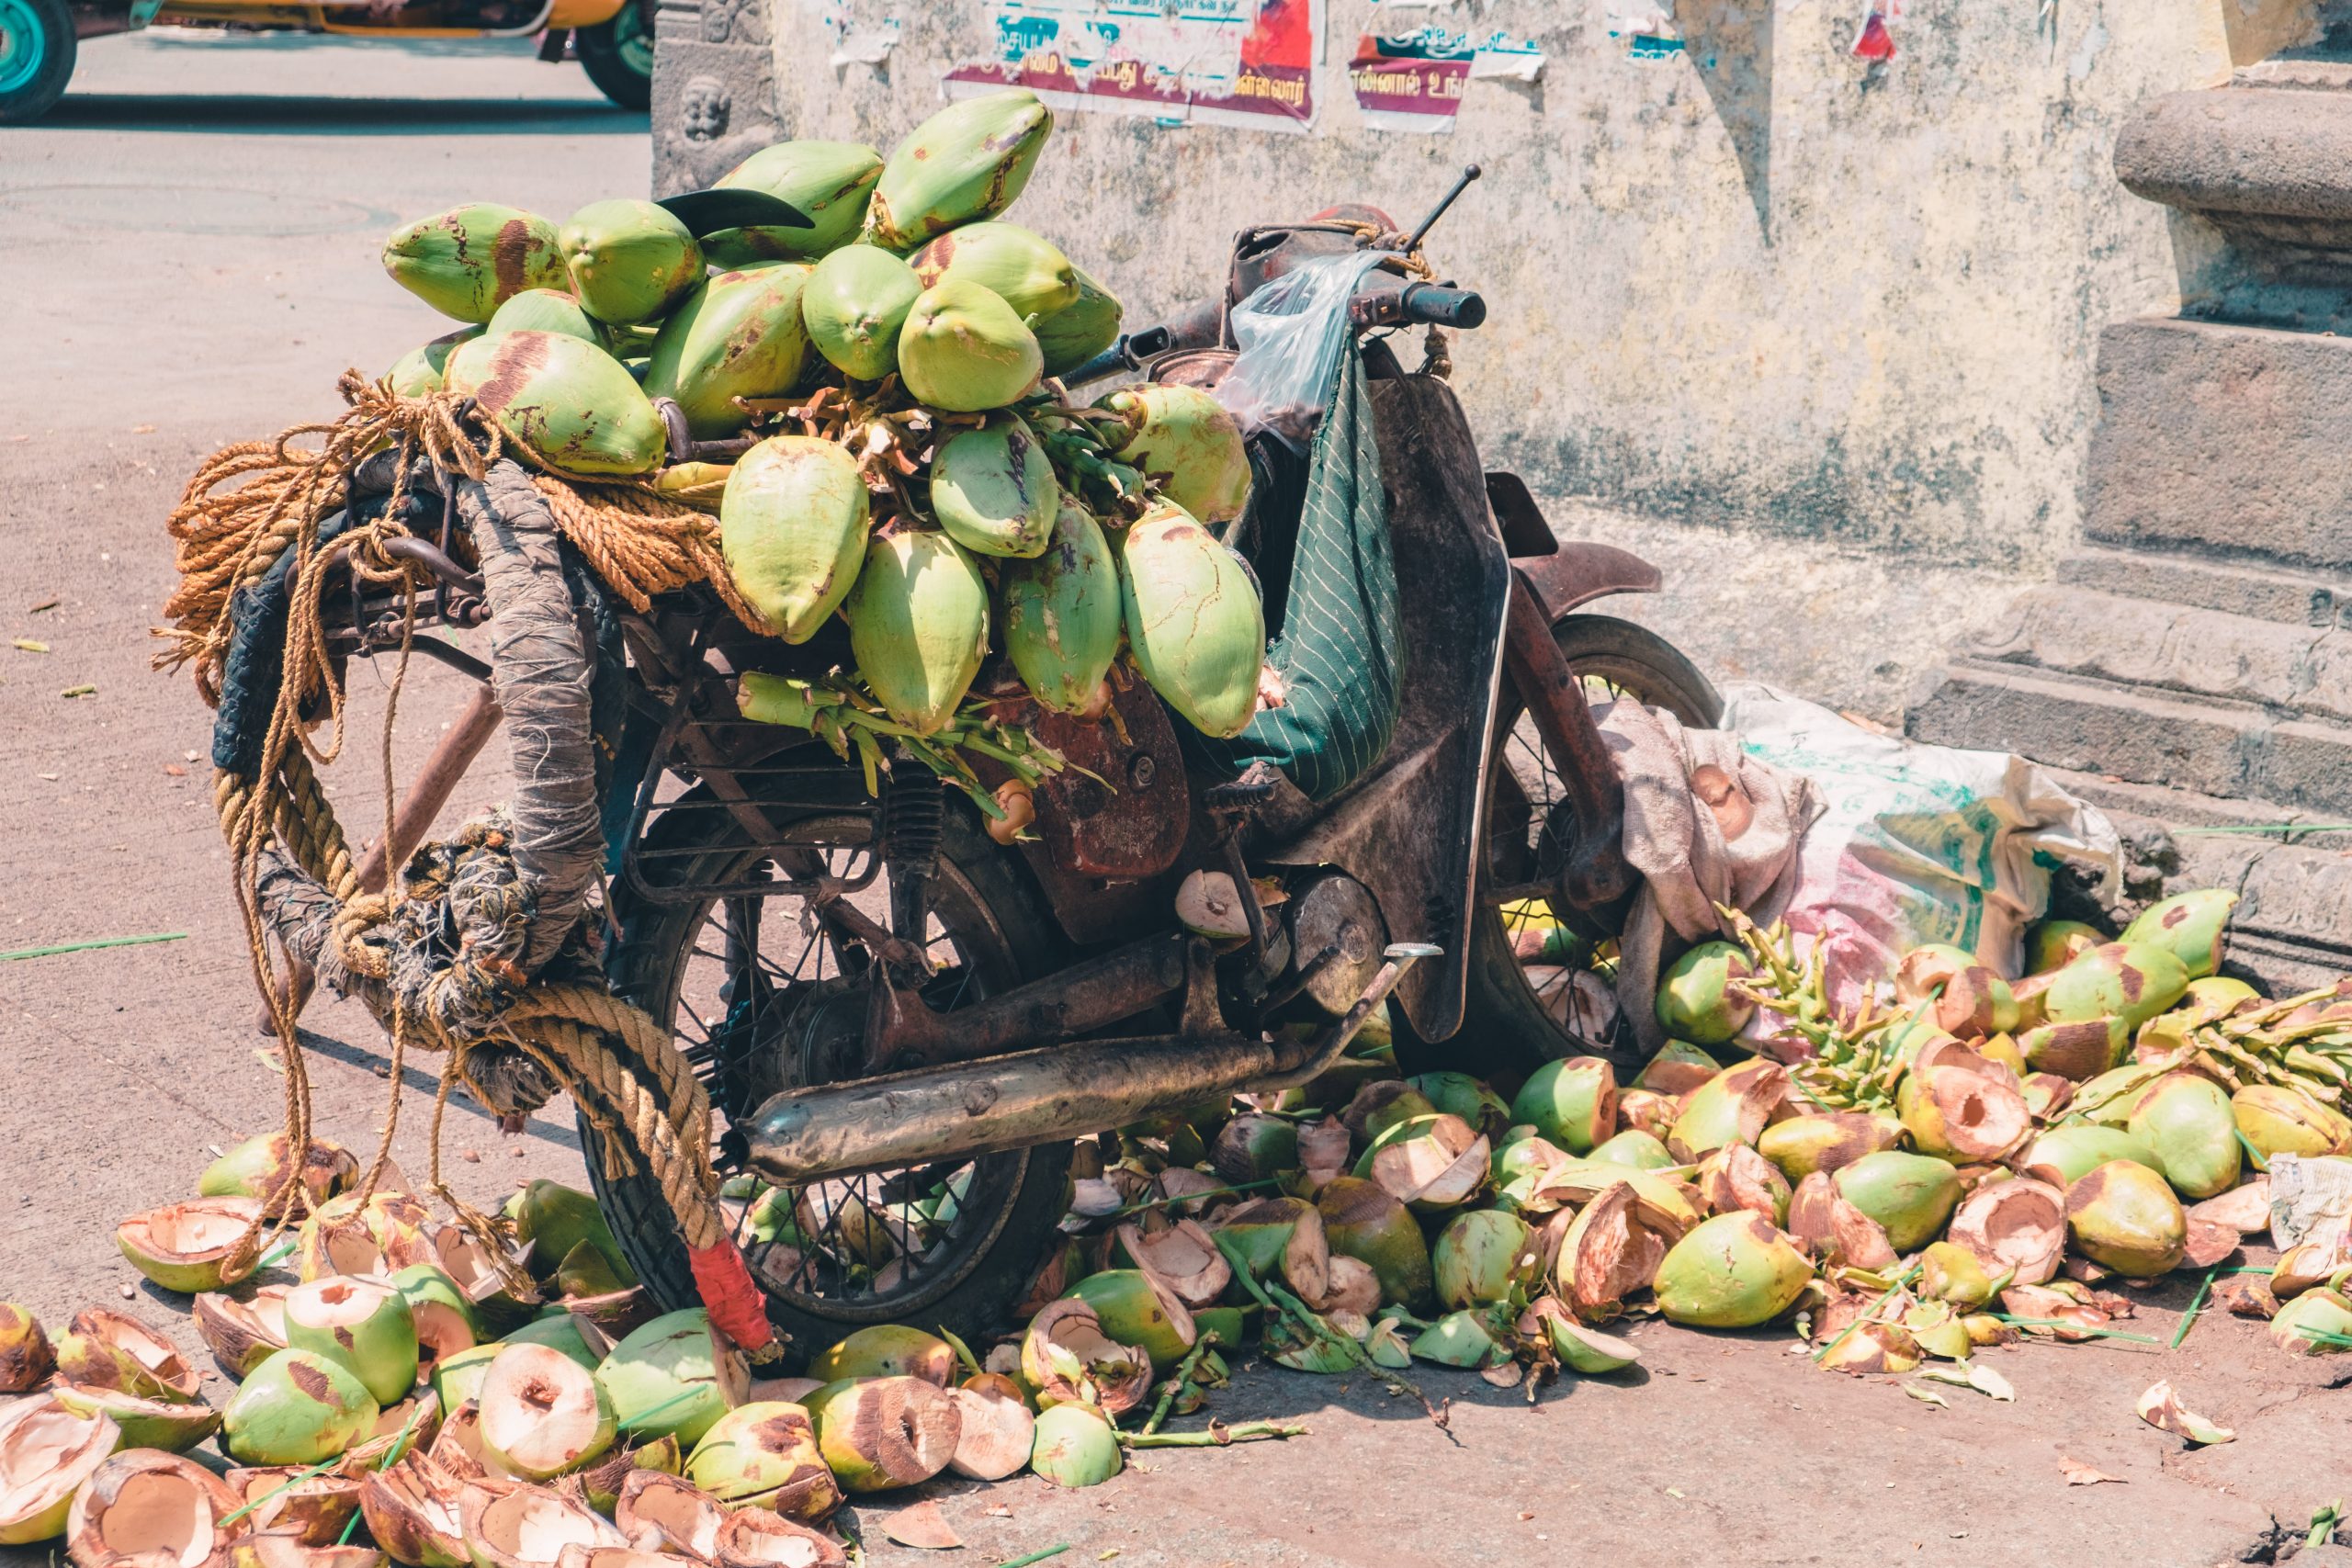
1523	961
763	996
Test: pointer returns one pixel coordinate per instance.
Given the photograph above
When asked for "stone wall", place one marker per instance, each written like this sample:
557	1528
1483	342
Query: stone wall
1760	283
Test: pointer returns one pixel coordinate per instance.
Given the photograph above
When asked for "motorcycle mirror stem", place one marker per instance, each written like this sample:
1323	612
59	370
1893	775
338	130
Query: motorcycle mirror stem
1413	240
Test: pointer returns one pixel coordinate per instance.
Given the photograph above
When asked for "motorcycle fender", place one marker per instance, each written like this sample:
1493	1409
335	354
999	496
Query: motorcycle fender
1562	573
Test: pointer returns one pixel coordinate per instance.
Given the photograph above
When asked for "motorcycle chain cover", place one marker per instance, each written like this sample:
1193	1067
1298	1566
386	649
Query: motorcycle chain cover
1133	828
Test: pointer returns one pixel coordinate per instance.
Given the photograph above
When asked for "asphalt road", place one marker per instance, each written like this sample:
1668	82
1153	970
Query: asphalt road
187	254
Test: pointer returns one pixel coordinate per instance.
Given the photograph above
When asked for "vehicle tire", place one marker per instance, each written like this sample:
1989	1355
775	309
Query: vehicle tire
996	929
618	54
1507	1029
36	50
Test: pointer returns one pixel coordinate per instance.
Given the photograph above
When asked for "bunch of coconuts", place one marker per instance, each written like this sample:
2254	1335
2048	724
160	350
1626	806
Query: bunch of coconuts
922	477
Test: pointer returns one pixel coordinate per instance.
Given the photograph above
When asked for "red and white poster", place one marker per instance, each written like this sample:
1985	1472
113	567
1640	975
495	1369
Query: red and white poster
1231	63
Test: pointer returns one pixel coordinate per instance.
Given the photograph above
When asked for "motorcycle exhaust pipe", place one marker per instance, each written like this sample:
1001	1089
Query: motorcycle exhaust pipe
1045	1096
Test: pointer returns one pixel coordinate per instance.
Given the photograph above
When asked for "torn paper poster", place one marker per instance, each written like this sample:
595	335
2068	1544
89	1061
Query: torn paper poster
1413	82
1231	63
1874	39
1507	60
1648	31
864	46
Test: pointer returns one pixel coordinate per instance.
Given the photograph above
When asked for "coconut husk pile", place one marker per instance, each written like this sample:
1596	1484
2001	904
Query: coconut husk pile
1913	1186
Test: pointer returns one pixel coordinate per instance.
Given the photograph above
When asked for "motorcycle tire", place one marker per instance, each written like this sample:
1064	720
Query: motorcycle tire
36	50
1507	1030
1028	1193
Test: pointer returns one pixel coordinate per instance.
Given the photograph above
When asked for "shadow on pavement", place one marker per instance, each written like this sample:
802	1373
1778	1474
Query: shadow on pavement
558	1132
178	112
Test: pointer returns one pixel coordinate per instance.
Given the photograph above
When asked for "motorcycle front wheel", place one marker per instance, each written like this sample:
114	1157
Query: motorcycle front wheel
1518	1014
760	999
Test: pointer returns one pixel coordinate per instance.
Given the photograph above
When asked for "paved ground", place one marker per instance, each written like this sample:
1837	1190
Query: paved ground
190	249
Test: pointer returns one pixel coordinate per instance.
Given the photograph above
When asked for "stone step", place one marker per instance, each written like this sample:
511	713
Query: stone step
2208	745
2265	593
2297	671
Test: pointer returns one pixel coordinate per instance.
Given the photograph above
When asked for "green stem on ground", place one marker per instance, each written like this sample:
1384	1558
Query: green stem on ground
1184	1370
1216	1437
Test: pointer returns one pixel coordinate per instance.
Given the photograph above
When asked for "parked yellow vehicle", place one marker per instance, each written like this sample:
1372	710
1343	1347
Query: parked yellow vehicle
612	39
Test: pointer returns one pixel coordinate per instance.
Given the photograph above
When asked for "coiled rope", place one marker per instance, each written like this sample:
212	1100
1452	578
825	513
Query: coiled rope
259	505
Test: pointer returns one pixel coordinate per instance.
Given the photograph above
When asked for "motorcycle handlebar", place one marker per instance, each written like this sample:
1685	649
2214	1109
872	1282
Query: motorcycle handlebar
1388	302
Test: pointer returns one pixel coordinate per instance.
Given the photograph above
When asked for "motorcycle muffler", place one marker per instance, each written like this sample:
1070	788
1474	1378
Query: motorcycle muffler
1044	1096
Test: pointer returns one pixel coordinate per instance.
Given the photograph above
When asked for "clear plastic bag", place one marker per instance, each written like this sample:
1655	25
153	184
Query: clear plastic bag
1289	332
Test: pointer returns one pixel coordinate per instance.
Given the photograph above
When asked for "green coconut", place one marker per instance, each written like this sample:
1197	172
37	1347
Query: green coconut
1733	1107
1825	1140
962	349
887	1350
1254	1147
993	489
566	400
919	626
1259	1232
196	1246
1193	620
457	1378
470	260
2191	926
764	1454
830	182
1070	337
1027	271
1481	1257
1135	1309
298	1407
143	1423
1063	614
1186	445
1074	1446
2080	1050
2063	1156
2275	1120
1459	1094
1363	1220
2123	1216
46	1454
1695	998
1464	1338
1429	1163
736	334
547	310
259	1167
417	374
856	306
967	163
2187	1122
1384	1104
793	526
2129	981
443	1318
1635	1149
1579	1347
1736	1270
1951	1272
364	1323
551	1219
877	1434
674	1377
1677	1067
1909	1195
629	260
1570	1102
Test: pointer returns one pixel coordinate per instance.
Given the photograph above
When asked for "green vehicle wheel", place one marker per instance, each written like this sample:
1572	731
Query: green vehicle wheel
618	54
37	47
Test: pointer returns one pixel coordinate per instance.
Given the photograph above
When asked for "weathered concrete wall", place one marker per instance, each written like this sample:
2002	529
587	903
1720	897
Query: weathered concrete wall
1763	284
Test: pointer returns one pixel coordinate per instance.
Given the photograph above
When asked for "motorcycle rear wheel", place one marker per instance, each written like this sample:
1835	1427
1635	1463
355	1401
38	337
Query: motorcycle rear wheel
1510	1027
732	978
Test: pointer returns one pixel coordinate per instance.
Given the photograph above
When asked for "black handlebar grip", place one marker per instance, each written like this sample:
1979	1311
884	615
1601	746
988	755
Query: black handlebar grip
1438	306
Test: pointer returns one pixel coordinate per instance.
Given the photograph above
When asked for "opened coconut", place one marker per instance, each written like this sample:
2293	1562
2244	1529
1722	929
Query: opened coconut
1733	1107
46	1454
313	1510
1612	1249
105	1349
1960	1112
410	1507
881	1433
143	1423
1822	1222
542	1412
676	1376
512	1526
442	1317
241	1333
668	1513
1909	1195
1572	1103
1137	1309
1183	1258
1067	1357
26	1354
192	1246
2015	1229
150	1509
259	1167
1363	1220
751	1538
298	1407
1429	1162
765	1454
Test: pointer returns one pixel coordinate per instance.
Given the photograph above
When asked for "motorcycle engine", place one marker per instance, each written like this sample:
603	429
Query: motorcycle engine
1336	938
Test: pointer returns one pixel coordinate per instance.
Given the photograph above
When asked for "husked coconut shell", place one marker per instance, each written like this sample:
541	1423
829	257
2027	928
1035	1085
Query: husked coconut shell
542	1413
1737	1176
410	1507
2016	1226
514	1526
1323	1149
1823	1223
105	1349
157	1510
1960	1111
2242	1208
753	1539
191	1247
1434	1161
285	1552
242	1335
2208	1243
1611	1250
997	1432
668	1513
1108	1374
456	1447
620	1557
313	1510
1181	1258
46	1454
1355	1287
413	1424
26	1356
1210	906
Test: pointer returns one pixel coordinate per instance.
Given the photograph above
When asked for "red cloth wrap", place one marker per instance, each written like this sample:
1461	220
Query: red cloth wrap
734	1302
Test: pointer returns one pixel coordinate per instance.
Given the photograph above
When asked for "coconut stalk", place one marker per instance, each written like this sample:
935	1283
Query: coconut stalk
1218	1436
1309	1327
1856	1063
1183	1374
